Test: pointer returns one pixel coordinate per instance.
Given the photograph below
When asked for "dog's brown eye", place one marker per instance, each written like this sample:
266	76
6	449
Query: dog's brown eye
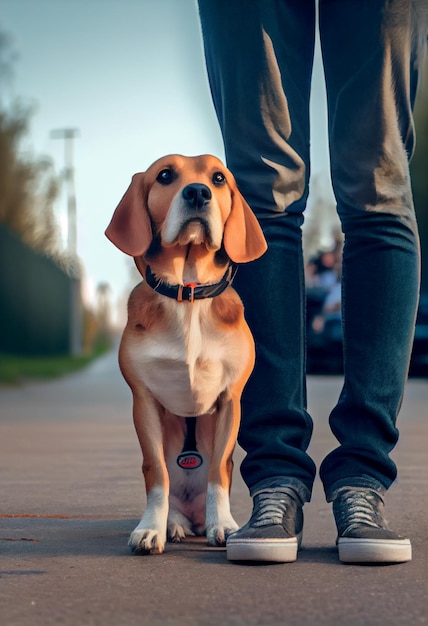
165	177
219	178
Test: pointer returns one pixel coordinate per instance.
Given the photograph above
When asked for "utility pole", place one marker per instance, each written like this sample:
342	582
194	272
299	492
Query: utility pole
75	325
68	134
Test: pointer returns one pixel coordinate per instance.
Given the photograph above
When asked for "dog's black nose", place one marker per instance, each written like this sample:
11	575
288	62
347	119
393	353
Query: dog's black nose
196	195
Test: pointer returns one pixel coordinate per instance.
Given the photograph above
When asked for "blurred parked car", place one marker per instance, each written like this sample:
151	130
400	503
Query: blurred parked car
419	362
324	336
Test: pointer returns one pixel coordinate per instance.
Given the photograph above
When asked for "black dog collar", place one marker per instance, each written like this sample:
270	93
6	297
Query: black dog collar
191	291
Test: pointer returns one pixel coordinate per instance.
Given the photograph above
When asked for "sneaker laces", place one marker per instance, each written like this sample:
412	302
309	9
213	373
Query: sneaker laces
270	507
358	507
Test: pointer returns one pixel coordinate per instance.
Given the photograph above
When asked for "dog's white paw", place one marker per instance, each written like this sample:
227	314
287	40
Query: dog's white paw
149	536
177	533
179	526
218	533
219	521
146	541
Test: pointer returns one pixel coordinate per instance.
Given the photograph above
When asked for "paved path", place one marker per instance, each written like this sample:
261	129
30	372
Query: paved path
71	491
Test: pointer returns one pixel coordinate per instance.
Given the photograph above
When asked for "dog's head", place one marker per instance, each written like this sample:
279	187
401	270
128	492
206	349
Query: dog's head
186	200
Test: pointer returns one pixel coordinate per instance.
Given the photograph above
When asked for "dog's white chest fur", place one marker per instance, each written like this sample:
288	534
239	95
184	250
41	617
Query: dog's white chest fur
189	363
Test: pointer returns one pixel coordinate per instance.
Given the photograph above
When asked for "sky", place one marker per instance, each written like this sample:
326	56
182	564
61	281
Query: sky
129	75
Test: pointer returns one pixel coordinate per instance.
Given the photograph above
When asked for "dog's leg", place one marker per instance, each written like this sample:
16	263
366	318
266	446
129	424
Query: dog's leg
150	534
219	520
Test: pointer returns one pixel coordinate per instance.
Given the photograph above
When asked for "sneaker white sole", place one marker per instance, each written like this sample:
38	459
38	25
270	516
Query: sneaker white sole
353	550
269	550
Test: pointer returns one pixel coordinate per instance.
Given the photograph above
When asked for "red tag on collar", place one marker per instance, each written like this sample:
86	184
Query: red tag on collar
189	460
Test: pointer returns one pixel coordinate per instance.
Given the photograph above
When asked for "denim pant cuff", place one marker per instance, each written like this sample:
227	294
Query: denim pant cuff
364	482
283	482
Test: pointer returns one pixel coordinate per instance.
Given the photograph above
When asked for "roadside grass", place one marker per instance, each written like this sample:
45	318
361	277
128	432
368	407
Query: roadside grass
16	369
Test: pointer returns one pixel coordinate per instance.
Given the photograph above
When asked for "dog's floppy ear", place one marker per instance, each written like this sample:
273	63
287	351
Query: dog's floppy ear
130	228
243	238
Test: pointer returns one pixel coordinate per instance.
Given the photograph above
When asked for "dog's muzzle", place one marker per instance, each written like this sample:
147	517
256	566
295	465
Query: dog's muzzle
195	227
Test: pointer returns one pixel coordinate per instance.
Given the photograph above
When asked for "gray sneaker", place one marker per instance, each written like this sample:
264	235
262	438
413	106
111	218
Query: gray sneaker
363	534
274	532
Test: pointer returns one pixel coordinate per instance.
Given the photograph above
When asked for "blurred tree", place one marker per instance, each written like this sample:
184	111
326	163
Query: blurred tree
28	186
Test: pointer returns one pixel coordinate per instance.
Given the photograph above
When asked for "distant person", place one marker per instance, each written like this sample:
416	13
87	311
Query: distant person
323	287
325	268
259	56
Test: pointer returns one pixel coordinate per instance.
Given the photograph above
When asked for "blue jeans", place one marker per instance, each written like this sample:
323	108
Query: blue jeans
259	57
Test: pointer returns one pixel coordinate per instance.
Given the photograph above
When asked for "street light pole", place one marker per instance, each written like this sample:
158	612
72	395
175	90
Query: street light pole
68	134
75	319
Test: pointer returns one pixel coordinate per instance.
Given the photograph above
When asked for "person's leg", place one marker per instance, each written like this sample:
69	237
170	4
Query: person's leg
367	63
259	59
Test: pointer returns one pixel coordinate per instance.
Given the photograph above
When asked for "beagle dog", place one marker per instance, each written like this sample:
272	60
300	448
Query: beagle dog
186	351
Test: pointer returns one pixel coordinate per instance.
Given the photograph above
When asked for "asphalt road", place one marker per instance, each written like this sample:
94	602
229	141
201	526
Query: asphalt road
71	491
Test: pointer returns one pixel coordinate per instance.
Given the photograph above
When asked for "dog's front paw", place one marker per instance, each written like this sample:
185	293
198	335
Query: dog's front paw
219	521
146	541
177	533
218	533
179	526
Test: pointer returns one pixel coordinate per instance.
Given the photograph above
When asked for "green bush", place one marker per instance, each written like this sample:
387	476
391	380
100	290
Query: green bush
18	369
